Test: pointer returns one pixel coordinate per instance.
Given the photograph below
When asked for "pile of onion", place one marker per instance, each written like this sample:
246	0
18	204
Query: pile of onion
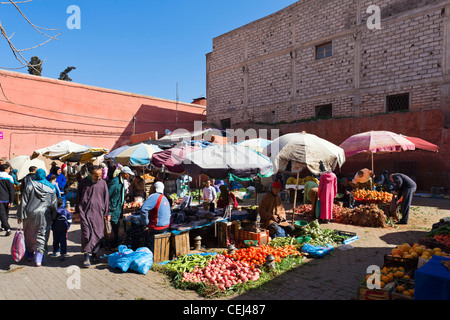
223	273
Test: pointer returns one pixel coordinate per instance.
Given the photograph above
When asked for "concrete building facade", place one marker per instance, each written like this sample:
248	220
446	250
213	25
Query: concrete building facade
318	60
36	112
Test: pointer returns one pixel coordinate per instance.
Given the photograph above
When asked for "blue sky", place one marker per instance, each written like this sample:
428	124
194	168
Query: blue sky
140	46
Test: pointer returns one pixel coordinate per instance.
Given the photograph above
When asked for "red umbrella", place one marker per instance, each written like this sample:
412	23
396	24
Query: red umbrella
422	144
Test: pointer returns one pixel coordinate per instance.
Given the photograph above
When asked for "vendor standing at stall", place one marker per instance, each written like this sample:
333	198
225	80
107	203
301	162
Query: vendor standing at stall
405	187
272	213
327	192
363	179
209	195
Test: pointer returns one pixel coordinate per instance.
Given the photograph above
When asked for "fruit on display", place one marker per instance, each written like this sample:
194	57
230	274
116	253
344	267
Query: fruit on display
415	251
147	177
301	181
372	195
405	287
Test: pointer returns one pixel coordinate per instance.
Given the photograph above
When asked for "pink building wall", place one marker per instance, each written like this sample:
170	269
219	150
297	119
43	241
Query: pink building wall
36	112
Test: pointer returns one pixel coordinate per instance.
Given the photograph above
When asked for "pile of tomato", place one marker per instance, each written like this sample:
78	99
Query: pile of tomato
257	255
443	238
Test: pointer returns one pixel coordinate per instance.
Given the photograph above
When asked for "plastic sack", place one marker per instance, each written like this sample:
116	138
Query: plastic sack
317	251
121	259
18	246
143	260
318	209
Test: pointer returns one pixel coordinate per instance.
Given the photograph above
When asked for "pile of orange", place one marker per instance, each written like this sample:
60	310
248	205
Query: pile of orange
406	288
372	195
415	251
391	274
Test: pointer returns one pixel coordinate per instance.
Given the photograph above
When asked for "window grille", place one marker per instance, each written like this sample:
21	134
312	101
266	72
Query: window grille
324	111
398	102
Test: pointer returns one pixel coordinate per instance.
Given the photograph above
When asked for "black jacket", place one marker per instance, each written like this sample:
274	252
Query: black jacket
6	189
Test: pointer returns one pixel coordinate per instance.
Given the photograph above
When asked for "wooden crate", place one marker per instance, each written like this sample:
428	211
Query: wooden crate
223	233
180	244
385	293
262	236
159	244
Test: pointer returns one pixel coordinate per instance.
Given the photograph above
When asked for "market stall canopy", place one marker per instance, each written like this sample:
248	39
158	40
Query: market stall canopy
23	163
303	150
69	151
138	155
376	142
112	155
172	159
223	161
257	144
422	144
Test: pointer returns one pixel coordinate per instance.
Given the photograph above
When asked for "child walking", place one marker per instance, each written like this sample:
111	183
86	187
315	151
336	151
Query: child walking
60	226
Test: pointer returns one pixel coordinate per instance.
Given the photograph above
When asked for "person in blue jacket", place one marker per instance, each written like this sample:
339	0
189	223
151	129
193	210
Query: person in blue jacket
60	226
155	212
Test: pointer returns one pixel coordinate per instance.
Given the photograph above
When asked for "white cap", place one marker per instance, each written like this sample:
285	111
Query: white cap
159	187
127	170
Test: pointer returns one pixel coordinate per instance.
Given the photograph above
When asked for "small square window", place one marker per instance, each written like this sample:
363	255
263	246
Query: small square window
225	124
324	111
324	50
397	102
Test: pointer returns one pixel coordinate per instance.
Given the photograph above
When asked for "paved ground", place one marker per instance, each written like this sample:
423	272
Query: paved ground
334	277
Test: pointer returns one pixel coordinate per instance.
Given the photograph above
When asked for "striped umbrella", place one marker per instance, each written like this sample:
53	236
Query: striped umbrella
138	155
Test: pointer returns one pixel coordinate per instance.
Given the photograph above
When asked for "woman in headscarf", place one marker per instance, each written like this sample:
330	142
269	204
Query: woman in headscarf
326	194
37	210
226	198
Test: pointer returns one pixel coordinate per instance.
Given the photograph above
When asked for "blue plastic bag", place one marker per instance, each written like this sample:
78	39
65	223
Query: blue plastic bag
121	259
143	260
317	251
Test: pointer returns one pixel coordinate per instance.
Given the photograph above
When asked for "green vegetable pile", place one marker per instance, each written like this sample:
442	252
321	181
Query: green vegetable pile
186	263
283	241
440	228
321	237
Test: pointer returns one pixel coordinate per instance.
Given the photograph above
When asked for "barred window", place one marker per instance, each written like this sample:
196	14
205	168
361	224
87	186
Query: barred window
397	102
324	50
324	111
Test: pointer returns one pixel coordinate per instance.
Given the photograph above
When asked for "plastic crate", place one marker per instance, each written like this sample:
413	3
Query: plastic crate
409	264
385	293
262	237
408	284
352	236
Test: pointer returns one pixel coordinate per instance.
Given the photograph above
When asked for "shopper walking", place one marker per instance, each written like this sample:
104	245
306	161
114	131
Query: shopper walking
92	205
37	211
6	196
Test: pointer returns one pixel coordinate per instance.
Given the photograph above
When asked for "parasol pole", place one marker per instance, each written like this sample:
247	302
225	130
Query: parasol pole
145	187
373	172
295	197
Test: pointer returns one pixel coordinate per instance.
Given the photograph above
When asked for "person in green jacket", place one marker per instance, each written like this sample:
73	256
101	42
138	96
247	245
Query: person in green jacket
116	191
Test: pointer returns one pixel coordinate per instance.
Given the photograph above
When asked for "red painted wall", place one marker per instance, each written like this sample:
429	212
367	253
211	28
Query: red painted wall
36	112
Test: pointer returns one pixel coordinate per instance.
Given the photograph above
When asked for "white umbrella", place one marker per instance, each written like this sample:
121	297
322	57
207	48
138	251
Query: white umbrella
23	163
304	151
